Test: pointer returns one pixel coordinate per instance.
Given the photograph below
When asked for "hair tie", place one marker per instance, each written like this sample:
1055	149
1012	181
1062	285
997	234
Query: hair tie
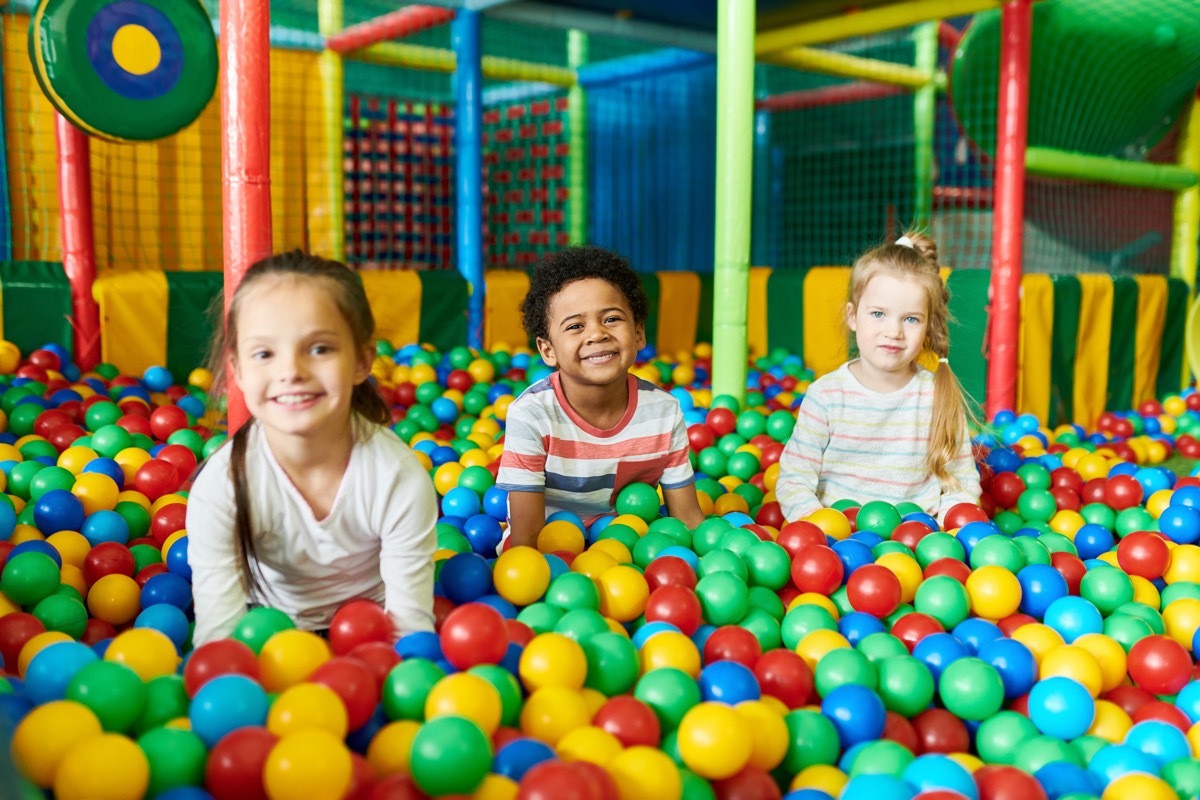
904	241
943	361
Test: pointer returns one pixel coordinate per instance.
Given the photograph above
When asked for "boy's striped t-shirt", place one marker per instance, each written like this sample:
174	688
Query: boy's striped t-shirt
851	442
549	448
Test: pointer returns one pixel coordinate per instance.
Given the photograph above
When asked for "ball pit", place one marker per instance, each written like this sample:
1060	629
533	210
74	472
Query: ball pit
1042	645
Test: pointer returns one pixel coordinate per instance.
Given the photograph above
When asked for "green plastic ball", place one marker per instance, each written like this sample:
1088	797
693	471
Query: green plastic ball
640	500
724	598
944	598
541	617
669	693
259	624
613	663
450	755
573	591
905	685
29	578
62	613
971	689
878	517
114	693
177	758
999	737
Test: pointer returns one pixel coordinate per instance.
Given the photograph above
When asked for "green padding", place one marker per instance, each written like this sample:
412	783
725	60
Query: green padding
444	298
189	325
785	310
1064	342
1123	345
1170	365
37	304
704	323
968	331
653	297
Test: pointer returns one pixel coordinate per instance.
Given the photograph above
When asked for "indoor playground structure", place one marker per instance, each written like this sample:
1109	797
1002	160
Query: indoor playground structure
741	155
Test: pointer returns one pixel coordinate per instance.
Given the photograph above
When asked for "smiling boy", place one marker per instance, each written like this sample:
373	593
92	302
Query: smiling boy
576	438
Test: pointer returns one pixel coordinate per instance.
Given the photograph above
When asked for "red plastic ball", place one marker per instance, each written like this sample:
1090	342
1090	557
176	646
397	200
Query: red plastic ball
1066	478
770	514
217	658
149	571
915	626
962	513
378	657
817	568
1071	567
675	605
1012	622
359	622
1144	554
156	478
134	423
700	437
786	676
1094	490
362	778
50	419
234	770
732	643
949	566
898	729
167	520
107	558
630	720
97	630
15	630
556	780
1006	489
396	787
795	536
1162	712
670	571
874	590
165	420
911	533
721	420
354	683
939	731
1160	665
182	457
474	633
1122	492
518	632
64	436
751	783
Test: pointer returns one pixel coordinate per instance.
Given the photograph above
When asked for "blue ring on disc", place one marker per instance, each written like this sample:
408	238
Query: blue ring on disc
103	28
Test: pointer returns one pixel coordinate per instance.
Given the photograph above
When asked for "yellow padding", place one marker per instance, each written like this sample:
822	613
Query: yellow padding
1091	352
756	312
506	288
293	76
395	298
825	345
1037	325
1152	309
133	319
678	311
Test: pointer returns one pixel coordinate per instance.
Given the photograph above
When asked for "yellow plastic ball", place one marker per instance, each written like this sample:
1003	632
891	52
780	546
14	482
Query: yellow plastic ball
816	644
1039	638
149	653
46	734
1183	565
1073	662
588	743
815	599
561	536
200	378
642	771
1111	723
1067	522
1145	592
466	695
714	740
25	533
305	706
1181	618
108	760
994	592
72	546
822	777
75	458
768	733
388	753
1158	502
307	764
907	570
1139	786
496	787
130	459
96	491
72	576
623	591
671	649
550	713
446	476
729	502
131	496
521	575
116	599
1109	655
631	521
832	522
593	563
551	659
290	657
1092	466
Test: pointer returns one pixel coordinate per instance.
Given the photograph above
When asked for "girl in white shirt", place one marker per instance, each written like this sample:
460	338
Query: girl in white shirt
314	502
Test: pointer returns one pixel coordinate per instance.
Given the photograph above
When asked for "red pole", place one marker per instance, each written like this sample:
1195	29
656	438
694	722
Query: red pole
1009	212
245	149
395	25
78	244
857	92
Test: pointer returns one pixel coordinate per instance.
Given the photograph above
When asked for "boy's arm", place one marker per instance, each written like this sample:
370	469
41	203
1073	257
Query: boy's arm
526	516
683	505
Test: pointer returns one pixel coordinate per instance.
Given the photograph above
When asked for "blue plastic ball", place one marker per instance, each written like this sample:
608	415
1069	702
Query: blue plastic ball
58	510
157	379
166	587
105	526
858	625
1160	740
106	466
461	502
483	532
975	633
465	577
420	644
728	682
933	771
167	619
495	503
1061	707
857	713
938	651
1074	617
1112	762
1180	524
51	670
1060	778
1017	667
224	704
36	546
1041	585
864	787
519	756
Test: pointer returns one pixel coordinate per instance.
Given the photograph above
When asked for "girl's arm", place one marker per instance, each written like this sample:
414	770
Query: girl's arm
800	464
407	544
526	517
962	468
219	595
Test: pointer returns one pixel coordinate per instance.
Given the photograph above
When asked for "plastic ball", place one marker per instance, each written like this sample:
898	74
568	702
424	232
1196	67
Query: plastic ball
107	760
225	704
357	622
290	657
1160	665
714	740
307	763
521	575
46	734
307	706
1061	707
971	688
148	652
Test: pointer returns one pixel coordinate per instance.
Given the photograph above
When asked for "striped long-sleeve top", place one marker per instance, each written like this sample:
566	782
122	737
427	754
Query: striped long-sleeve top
854	443
549	448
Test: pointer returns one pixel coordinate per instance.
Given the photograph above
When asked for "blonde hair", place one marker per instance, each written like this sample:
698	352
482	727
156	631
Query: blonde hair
919	264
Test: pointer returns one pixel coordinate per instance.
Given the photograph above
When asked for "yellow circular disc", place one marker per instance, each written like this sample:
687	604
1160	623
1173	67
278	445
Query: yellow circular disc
136	50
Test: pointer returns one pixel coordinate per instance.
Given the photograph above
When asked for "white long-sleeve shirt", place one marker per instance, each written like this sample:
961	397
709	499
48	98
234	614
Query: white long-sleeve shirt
377	542
851	442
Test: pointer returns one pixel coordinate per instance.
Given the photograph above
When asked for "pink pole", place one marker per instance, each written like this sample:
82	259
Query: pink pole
78	243
856	92
1009	213
245	149
395	25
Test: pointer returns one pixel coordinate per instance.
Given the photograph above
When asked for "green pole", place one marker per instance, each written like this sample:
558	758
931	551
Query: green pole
577	56
925	37
1050	163
735	143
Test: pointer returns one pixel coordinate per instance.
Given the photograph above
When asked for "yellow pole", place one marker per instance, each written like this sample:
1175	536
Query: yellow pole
828	62
326	207
1186	226
867	22
432	58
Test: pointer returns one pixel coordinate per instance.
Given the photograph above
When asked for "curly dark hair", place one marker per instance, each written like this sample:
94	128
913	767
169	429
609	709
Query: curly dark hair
575	264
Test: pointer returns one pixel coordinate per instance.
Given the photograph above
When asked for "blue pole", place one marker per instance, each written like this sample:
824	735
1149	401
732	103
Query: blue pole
760	241
468	146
